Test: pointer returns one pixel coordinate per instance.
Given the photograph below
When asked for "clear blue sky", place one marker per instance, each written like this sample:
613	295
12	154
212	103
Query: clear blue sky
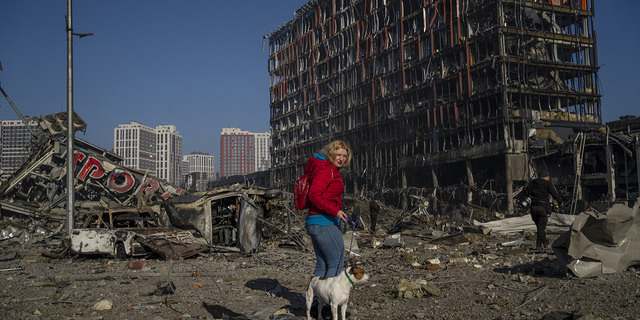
199	65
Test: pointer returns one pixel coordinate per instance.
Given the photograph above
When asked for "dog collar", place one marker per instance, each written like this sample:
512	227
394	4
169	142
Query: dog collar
345	273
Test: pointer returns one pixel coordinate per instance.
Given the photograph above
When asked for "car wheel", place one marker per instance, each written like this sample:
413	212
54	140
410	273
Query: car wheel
120	252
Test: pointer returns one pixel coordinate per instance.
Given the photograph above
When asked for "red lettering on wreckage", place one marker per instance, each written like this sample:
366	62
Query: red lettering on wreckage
149	186
125	185
93	168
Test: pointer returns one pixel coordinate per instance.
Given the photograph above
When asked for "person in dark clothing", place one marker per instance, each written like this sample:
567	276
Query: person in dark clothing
374	209
538	191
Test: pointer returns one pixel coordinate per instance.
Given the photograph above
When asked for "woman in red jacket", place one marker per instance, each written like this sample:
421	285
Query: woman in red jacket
325	212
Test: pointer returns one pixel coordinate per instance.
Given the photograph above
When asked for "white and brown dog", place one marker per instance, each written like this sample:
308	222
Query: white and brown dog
334	291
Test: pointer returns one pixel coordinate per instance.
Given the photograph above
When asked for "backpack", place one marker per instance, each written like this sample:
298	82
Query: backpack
301	191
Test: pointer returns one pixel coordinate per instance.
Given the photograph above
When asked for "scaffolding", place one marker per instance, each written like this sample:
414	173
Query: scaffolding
430	92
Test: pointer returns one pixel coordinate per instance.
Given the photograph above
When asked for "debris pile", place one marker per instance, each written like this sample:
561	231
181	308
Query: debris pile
124	210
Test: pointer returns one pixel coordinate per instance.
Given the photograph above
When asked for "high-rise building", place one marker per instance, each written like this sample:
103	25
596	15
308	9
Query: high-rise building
168	153
431	93
158	149
263	151
14	146
136	143
237	152
201	163
184	167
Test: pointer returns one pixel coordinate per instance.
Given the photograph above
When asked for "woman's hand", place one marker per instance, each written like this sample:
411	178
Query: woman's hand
342	216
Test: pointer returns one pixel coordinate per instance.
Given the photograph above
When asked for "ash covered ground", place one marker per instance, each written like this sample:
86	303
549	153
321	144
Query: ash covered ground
474	277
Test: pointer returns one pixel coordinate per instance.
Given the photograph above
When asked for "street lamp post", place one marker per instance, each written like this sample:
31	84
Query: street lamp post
70	131
70	128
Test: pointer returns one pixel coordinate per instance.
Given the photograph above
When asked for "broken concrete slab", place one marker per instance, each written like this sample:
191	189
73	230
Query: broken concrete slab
411	289
393	241
103	305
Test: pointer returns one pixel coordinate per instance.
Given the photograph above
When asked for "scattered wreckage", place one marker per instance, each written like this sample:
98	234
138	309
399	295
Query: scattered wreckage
113	236
127	212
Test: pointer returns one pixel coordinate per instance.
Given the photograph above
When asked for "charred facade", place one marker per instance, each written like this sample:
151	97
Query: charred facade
432	93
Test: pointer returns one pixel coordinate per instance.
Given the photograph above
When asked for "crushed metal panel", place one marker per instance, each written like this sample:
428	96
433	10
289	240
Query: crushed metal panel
193	216
601	244
173	245
249	226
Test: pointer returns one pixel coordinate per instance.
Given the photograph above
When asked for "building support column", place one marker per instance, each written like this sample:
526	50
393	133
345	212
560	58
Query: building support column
434	180
509	179
611	178
578	162
405	193
471	182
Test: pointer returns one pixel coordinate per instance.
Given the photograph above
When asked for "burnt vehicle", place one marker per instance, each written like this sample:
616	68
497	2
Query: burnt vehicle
124	234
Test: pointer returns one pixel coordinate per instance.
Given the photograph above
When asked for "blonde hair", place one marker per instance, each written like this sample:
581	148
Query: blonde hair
330	150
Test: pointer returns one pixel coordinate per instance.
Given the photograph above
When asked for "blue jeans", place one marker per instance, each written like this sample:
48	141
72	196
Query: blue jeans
329	247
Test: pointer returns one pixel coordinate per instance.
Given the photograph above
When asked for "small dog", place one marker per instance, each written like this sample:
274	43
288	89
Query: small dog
334	291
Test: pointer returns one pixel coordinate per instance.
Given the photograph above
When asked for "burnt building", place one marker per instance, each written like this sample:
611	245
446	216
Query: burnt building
430	93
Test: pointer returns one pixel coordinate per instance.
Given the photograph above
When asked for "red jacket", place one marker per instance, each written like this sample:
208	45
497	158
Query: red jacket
325	194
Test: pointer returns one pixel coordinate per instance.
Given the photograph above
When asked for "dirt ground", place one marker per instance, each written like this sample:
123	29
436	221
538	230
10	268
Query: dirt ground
477	277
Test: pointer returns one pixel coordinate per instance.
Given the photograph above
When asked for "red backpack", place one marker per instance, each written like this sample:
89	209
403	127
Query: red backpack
301	191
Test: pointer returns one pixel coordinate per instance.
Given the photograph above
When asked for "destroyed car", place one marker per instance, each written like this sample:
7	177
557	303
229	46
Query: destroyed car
122	234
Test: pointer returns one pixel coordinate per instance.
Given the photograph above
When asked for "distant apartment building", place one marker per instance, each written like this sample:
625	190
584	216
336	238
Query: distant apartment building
158	149
136	143
200	169
262	151
184	167
237	152
14	149
168	153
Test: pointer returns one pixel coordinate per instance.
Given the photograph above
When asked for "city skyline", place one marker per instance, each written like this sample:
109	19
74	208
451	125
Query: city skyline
201	72
171	63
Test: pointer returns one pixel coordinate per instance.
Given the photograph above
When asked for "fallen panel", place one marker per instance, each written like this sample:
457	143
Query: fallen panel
600	244
249	226
558	223
173	245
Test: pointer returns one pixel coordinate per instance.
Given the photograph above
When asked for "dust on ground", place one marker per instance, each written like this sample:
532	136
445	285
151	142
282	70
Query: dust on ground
474	277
